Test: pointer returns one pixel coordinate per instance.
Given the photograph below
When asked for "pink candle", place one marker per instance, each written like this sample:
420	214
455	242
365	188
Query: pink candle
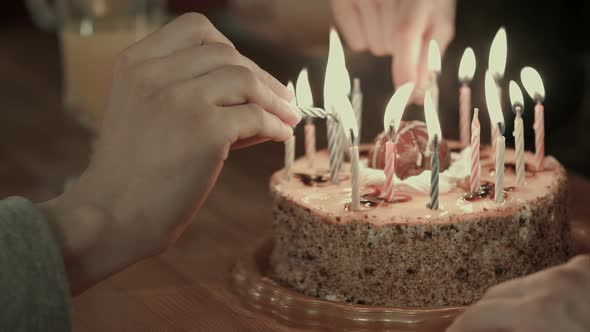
389	188
310	147
539	128
465	110
475	166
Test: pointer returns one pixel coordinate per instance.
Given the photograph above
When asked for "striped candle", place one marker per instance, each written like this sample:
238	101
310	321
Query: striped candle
474	180
494	137
434	175
499	192
356	98
355	178
519	145
539	128
310	148
334	147
389	188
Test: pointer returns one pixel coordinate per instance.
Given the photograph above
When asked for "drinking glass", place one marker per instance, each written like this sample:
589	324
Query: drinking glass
92	33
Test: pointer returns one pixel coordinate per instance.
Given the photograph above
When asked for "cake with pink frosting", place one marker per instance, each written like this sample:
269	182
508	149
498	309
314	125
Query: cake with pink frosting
402	253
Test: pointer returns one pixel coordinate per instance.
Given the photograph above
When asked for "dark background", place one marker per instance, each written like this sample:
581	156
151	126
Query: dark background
552	37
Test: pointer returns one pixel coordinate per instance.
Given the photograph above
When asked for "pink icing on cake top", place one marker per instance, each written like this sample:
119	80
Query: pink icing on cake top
329	200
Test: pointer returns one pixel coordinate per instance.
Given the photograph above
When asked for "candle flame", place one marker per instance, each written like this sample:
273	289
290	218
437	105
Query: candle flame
291	89
304	96
396	106
467	65
516	97
498	54
533	84
432	123
434	57
337	80
347	117
493	101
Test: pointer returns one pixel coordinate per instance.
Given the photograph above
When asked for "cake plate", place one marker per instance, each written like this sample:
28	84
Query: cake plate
258	292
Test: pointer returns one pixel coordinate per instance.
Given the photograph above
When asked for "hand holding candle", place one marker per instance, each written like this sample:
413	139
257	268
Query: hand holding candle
391	122
434	136
534	86
466	72
517	101
496	119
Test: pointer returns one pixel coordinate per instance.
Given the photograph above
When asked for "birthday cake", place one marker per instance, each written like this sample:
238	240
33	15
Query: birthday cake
402	253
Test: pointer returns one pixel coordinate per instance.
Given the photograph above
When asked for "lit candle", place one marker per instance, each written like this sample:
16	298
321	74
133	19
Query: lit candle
496	67
517	101
350	127
534	86
434	67
474	179
305	99
434	137
466	72
290	144
391	122
356	99
336	84
497	120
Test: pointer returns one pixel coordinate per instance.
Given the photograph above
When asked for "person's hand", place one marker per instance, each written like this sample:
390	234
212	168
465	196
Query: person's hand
556	299
402	28
180	100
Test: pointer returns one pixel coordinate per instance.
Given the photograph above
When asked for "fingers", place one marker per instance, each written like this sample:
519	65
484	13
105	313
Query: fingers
389	17
235	85
349	24
250	124
408	38
490	316
188	30
200	60
371	21
248	142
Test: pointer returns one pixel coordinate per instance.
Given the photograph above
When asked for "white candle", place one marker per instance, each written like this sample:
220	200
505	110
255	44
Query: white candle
517	101
499	191
289	157
497	120
348	123
354	169
466	72
336	86
356	99
391	122
497	66
534	86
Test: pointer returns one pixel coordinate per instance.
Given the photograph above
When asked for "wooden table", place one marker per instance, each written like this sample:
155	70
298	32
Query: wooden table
184	289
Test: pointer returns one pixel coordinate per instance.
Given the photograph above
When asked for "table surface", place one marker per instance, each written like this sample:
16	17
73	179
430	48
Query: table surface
184	289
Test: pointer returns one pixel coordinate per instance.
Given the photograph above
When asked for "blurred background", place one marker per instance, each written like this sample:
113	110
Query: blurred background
55	65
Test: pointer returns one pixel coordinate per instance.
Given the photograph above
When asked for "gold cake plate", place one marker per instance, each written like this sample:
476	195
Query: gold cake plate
260	293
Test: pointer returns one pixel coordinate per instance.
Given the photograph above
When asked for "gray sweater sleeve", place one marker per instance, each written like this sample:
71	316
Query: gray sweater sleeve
34	293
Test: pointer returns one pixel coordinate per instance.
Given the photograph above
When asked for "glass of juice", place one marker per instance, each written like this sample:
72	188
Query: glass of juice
92	34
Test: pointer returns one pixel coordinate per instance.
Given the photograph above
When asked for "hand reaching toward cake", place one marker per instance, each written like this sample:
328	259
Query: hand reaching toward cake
397	27
556	299
180	100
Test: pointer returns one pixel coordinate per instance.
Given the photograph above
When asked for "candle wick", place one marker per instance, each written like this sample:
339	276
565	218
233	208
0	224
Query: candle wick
435	143
391	131
352	138
501	128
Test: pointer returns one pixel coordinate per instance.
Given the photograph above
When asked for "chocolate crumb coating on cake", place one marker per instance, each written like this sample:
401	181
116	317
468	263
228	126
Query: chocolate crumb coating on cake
400	255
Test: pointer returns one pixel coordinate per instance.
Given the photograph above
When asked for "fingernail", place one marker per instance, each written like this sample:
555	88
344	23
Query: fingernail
294	110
